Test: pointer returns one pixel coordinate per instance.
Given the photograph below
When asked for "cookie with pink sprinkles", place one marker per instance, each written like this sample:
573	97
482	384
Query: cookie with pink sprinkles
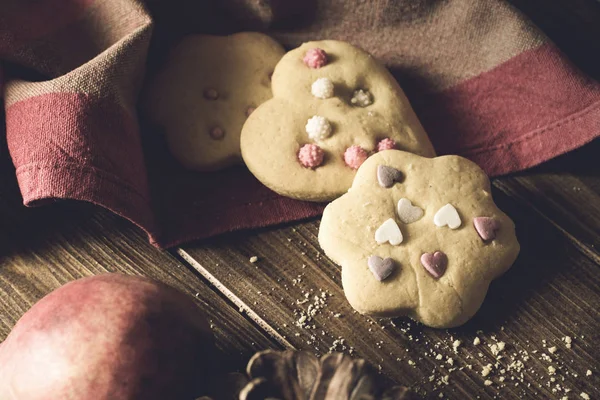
205	91
333	106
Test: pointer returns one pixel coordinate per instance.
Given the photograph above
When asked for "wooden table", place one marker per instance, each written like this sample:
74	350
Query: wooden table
546	309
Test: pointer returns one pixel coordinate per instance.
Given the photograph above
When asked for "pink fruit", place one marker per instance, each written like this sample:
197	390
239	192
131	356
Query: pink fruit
107	337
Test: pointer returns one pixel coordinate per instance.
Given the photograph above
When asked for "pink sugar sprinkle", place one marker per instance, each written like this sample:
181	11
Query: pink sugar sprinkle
315	58
211	94
217	133
386	144
310	156
354	156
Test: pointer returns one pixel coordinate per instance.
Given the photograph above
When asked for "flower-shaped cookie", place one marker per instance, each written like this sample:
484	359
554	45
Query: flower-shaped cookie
333	105
205	92
418	236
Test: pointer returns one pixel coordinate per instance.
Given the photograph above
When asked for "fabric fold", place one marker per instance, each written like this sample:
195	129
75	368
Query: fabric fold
484	81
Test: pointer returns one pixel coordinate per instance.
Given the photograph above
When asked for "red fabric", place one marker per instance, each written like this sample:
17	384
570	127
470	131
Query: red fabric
73	131
527	110
48	161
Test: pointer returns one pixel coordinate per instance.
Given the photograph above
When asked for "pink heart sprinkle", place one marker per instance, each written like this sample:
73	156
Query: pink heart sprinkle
381	268
435	263
486	227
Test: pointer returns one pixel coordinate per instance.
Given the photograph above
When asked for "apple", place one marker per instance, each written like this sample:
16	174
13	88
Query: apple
108	337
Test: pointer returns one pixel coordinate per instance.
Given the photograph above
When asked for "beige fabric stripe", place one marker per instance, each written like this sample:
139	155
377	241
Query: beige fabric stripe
438	43
102	25
116	72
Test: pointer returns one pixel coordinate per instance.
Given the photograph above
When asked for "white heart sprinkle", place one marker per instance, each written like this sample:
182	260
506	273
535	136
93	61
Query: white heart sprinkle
389	232
407	212
447	215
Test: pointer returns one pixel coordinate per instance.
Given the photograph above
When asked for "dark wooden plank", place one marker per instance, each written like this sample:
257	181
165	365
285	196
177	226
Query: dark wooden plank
566	192
552	292
67	242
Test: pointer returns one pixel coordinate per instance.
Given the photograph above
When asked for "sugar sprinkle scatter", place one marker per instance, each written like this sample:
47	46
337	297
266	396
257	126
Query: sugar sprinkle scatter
501	366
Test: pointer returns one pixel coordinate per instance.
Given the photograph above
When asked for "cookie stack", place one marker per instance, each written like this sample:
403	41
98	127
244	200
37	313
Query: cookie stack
415	235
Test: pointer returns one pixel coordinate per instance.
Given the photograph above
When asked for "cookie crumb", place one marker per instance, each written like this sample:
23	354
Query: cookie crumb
486	370
552	349
455	345
588	373
253	259
585	396
476	341
551	370
487	382
497	348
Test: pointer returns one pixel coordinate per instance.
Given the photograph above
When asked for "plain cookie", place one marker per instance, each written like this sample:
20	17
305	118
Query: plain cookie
204	94
333	105
419	237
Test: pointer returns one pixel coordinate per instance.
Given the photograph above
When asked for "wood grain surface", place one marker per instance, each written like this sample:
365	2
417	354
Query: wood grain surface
42	249
291	295
552	292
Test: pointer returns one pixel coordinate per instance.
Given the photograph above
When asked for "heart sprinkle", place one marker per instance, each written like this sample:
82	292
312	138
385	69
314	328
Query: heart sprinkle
407	212
387	176
435	263
486	227
389	232
381	268
447	215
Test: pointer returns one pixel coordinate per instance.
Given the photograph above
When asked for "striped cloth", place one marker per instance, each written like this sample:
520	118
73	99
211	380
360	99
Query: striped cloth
486	83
